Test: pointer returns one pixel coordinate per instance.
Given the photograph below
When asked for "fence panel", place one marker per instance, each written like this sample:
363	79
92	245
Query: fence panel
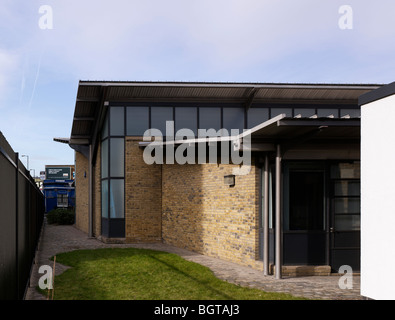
7	227
21	218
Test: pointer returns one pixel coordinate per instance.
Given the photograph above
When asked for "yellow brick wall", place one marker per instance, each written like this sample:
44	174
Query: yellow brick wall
96	194
81	192
187	206
202	214
143	195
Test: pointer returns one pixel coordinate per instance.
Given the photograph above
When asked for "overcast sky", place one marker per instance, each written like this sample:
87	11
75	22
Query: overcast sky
282	41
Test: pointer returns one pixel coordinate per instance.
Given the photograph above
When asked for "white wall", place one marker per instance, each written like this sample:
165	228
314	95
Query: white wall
378	199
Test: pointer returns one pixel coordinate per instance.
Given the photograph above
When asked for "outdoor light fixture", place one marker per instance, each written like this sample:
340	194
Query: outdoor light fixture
230	180
24	155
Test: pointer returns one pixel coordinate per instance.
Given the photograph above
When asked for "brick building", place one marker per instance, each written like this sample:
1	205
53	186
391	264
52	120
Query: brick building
296	203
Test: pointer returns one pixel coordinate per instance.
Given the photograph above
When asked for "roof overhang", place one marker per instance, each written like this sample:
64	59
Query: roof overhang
377	94
323	128
93	98
280	130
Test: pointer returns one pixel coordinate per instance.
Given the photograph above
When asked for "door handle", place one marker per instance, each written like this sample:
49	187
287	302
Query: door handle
331	230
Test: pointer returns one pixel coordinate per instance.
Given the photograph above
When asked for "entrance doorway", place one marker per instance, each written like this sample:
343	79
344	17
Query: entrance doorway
304	234
321	214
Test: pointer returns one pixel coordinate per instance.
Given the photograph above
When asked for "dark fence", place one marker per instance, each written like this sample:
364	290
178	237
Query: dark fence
21	218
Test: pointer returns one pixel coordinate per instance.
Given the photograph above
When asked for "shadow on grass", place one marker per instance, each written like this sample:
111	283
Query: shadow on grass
200	282
144	274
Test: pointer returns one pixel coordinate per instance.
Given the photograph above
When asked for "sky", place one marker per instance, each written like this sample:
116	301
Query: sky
47	46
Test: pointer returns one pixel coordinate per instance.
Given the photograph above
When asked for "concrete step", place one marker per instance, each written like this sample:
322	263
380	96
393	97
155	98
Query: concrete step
300	271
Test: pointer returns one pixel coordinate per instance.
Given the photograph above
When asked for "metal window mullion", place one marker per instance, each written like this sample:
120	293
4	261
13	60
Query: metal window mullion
108	177
17	223
278	232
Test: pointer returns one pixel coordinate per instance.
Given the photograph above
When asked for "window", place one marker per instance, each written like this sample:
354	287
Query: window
233	119
62	200
210	118
277	111
186	118
116	198
322	113
304	112
159	116
113	170
353	113
256	116
116	157
347	196
137	120
117	121
104	159
104	198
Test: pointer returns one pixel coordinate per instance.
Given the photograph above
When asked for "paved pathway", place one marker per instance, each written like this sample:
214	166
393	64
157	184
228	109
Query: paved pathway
57	239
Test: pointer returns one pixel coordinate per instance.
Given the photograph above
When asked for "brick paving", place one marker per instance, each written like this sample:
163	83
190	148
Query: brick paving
57	239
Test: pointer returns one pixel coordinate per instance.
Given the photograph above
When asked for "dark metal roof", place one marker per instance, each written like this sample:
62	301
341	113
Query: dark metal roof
93	97
377	94
322	128
62	140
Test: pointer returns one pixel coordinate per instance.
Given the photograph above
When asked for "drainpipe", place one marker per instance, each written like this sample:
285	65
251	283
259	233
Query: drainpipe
90	194
266	218
278	214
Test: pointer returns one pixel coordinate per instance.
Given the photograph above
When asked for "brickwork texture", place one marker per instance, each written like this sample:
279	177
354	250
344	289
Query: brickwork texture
188	206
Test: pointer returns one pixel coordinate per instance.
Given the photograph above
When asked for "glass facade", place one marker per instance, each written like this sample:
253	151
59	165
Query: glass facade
323	113
347	196
135	120
186	118
159	116
117	121
256	116
104	159
104	198
113	173
117	198
117	157
277	111
210	118
304	112
141	117
233	119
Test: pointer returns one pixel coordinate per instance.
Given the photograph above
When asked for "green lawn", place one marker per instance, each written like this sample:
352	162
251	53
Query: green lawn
139	274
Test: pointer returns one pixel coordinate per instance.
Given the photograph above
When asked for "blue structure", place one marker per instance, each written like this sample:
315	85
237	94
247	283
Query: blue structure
59	194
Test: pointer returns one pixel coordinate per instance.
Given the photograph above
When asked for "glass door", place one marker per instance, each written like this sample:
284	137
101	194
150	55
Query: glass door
345	215
304	233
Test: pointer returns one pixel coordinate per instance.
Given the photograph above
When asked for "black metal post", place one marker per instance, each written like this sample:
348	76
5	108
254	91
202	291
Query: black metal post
17	224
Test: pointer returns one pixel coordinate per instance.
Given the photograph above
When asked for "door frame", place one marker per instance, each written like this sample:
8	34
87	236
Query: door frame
292	239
